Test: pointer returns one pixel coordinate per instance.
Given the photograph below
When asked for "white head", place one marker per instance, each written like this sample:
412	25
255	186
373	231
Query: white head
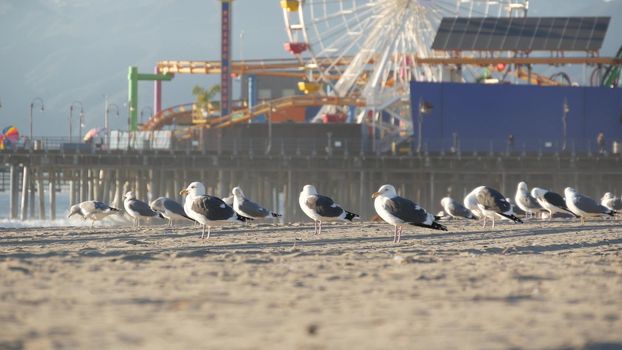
385	191
607	195
538	192
237	192
129	195
569	191
522	186
75	209
309	189
445	201
194	189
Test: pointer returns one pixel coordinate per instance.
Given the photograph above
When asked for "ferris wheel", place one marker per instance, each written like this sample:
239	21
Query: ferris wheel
368	48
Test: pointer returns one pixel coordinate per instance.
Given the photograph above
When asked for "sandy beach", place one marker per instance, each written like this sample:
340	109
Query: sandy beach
539	285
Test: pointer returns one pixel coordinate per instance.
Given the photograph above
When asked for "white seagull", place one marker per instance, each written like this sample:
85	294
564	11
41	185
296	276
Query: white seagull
321	208
525	201
551	201
248	208
92	210
611	202
470	202
208	210
493	204
456	210
399	211
138	209
583	205
170	209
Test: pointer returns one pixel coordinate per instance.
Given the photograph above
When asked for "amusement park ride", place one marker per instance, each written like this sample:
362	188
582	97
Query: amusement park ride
362	54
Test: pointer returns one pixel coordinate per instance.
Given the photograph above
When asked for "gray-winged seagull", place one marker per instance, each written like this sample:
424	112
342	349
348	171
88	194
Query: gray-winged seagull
611	202
398	211
208	210
551	201
321	208
92	210
583	205
525	201
456	210
138	209
170	209
493	204
248	208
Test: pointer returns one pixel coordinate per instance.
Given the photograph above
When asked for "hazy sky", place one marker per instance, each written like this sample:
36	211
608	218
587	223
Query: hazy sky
79	50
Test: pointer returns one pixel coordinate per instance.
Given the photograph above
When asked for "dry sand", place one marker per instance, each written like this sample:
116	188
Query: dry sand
537	285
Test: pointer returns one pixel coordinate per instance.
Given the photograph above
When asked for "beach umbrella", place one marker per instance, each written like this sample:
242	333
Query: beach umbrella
93	133
9	135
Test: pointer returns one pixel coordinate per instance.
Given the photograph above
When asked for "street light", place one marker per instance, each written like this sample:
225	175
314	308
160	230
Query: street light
424	107
107	120
32	105
71	115
565	110
142	110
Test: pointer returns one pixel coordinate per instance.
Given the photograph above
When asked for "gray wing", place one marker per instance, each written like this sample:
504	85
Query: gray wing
141	208
213	208
555	199
253	209
406	210
324	206
100	205
529	202
492	200
173	207
458	209
589	205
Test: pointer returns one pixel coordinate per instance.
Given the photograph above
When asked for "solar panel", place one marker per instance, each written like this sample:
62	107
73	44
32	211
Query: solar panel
521	34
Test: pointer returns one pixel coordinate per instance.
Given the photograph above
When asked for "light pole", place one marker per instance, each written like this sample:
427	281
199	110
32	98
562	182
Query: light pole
565	110
270	111
71	116
143	110
107	119
32	105
424	107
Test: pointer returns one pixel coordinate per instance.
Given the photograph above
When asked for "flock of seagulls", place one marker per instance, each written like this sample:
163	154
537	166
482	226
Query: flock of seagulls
482	203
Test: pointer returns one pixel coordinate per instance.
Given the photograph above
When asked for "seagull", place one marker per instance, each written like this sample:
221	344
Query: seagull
228	200
170	209
455	209
248	208
208	210
493	204
321	208
611	202
138	209
92	210
398	211
525	201
470	202
551	201
582	205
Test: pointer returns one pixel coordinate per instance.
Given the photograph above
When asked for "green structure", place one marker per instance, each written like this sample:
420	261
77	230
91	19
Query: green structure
133	77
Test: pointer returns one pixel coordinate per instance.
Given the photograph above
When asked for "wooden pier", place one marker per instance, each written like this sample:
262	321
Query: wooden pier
274	179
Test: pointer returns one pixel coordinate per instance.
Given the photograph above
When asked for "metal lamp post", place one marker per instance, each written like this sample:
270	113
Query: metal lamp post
107	119
71	116
424	107
142	112
565	110
32	105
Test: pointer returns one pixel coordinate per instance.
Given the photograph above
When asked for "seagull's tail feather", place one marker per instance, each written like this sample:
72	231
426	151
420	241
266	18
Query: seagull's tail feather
275	215
434	225
350	216
512	217
160	215
114	209
612	212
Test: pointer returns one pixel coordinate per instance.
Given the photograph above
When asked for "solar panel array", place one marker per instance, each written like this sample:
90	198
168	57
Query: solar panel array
521	33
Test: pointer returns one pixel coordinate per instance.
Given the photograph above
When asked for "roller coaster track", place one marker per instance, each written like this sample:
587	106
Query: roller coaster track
182	114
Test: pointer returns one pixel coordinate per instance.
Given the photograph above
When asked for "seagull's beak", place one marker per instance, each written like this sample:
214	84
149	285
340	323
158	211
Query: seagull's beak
375	194
183	192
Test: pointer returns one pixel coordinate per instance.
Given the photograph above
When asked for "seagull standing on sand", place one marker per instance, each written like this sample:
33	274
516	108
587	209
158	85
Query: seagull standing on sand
583	205
208	210
551	201
170	209
455	209
492	204
399	211
470	202
611	202
525	201
248	208
138	209
321	208
92	210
